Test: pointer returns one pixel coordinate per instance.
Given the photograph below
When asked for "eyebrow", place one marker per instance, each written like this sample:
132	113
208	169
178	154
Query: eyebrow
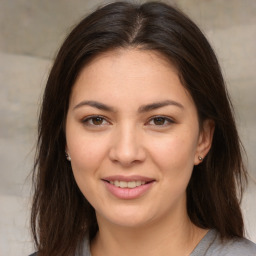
95	104
156	105
144	108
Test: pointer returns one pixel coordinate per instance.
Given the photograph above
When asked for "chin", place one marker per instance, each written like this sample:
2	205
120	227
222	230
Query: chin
130	223
126	219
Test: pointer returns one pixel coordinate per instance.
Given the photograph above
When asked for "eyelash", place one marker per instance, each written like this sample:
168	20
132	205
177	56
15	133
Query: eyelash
89	121
167	121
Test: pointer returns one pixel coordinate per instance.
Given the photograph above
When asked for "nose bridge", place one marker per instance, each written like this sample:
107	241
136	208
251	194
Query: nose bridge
127	145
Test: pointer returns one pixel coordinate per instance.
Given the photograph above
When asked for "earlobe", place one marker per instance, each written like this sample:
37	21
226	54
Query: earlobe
67	154
68	157
204	140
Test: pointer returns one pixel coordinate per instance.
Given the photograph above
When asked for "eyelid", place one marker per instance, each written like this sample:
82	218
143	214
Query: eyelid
88	118
166	118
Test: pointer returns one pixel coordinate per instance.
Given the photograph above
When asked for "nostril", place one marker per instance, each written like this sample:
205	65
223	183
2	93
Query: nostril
126	151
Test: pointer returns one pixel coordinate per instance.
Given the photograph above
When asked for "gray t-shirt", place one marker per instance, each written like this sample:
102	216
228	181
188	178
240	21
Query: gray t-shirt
211	245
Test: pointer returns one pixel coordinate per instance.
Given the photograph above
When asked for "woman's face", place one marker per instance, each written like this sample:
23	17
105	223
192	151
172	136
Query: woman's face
133	136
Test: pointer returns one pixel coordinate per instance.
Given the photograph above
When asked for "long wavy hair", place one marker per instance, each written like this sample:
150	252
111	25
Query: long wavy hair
61	216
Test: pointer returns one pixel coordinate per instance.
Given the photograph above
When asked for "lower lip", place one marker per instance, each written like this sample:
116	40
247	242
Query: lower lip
128	193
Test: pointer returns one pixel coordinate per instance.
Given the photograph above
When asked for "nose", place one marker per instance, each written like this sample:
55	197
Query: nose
127	147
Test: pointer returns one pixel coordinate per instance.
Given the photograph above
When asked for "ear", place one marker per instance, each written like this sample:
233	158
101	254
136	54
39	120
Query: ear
67	154
204	140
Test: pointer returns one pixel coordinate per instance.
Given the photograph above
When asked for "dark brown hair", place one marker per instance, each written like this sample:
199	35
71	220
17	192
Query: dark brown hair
61	216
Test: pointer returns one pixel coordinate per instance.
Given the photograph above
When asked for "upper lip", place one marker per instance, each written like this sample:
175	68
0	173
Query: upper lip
128	178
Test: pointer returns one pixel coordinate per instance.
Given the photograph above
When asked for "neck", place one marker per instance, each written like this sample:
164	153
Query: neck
163	237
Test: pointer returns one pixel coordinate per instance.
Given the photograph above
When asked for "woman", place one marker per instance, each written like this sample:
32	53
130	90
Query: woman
138	152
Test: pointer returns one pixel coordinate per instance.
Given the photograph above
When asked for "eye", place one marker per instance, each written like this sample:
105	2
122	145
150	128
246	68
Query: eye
95	121
160	121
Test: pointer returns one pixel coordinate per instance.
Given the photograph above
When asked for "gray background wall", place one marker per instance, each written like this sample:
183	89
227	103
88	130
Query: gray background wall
30	33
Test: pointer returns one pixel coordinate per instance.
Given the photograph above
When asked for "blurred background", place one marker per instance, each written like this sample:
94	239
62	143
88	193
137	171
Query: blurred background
30	34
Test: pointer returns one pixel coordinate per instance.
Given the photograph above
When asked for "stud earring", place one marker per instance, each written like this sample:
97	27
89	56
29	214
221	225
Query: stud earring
200	158
68	157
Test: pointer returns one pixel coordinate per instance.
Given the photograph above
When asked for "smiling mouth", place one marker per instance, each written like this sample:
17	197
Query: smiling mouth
131	187
127	184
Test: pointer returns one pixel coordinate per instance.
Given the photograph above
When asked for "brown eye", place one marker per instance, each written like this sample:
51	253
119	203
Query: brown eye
159	120
97	120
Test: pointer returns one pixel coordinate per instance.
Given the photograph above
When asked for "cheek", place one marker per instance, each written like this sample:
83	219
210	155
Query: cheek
175	154
87	156
87	153
175	160
174	151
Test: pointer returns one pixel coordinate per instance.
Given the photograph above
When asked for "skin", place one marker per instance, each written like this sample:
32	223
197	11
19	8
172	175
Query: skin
128	140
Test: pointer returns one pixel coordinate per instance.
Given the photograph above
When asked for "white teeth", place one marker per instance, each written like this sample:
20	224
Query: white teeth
139	183
129	184
123	184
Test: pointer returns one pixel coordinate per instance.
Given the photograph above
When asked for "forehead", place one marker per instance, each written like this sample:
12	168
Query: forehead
131	55
130	62
122	73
